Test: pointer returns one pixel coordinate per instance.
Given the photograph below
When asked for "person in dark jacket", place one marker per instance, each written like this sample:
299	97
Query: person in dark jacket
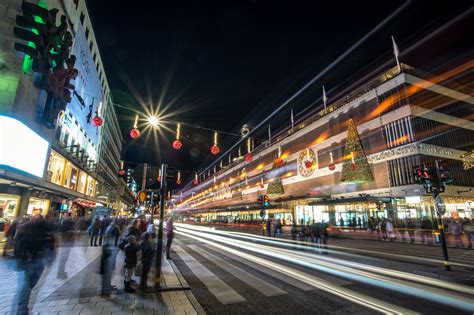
169	236
147	257
94	232
131	250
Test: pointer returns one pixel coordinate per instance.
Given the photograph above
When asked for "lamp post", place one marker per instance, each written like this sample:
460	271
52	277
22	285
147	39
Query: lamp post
159	244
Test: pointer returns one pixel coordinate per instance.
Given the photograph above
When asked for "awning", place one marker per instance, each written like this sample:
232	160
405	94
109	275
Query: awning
85	203
342	200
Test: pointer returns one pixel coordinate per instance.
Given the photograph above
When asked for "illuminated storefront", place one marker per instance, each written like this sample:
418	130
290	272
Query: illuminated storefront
64	173
9	205
38	206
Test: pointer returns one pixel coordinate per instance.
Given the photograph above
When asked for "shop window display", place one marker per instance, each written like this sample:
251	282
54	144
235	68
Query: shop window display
82	183
70	178
37	207
56	168
9	206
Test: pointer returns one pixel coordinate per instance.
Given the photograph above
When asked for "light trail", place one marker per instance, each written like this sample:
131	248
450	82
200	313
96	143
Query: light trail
331	248
335	267
347	294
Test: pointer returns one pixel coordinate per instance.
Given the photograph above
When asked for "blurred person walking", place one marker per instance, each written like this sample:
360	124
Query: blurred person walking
169	236
147	257
411	230
94	231
131	260
468	229
10	235
34	250
455	229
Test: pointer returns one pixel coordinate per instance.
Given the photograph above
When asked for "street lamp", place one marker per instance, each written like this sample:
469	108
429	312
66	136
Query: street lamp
153	121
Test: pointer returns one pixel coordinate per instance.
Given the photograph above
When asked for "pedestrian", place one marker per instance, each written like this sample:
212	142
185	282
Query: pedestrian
354	223
426	229
468	229
316	234
94	231
10	235
147	257
359	222
278	228
401	226
455	229
34	251
169	236
341	222
113	231
390	230
294	231
107	266
269	227
102	229
383	229
131	250
411	230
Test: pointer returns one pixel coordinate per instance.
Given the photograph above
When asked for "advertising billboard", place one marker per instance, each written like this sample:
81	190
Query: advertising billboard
21	148
88	89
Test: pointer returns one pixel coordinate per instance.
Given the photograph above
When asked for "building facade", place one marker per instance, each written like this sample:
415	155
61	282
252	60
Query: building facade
76	161
355	160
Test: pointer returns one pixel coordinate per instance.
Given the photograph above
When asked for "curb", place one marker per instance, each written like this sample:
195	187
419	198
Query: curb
185	286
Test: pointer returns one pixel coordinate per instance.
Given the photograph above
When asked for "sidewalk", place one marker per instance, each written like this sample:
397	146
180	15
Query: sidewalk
78	289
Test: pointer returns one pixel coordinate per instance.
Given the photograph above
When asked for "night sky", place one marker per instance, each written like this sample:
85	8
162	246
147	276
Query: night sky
223	64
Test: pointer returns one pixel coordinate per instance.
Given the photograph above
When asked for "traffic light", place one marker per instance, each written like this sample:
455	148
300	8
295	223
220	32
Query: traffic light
266	201
423	176
444	175
418	174
36	27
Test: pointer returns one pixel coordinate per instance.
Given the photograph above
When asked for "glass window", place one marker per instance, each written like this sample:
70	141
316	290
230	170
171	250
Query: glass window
56	168
9	206
91	186
70	177
38	206
81	185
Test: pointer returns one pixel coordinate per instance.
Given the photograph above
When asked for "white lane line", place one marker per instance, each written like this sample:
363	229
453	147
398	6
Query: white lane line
433	294
224	293
260	285
344	293
291	281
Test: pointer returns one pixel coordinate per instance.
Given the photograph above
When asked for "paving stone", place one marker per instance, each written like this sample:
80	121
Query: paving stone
69	312
65	307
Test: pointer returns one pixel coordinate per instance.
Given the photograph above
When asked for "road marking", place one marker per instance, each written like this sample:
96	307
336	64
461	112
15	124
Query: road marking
260	285
272	273
224	293
347	294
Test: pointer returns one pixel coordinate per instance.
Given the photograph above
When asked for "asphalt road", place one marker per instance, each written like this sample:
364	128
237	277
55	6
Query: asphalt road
238	273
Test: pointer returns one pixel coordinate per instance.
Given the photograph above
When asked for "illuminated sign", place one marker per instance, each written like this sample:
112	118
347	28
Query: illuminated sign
21	148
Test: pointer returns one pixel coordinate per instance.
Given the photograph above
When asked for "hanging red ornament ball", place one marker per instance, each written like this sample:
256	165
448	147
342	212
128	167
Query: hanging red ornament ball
97	121
215	149
195	182
332	167
308	164
134	133
248	157
177	144
262	186
278	161
122	172
178	182
353	166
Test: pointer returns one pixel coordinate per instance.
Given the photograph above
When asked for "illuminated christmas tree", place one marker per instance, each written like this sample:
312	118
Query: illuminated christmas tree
356	167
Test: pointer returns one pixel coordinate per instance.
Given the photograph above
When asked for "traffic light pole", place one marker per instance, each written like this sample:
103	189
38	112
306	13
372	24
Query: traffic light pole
447	266
159	244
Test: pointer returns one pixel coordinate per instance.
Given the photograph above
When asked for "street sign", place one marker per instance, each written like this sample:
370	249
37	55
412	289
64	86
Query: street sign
439	205
142	196
262	213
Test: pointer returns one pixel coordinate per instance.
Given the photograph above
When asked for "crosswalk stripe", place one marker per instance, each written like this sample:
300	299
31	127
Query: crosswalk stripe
262	286
224	293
